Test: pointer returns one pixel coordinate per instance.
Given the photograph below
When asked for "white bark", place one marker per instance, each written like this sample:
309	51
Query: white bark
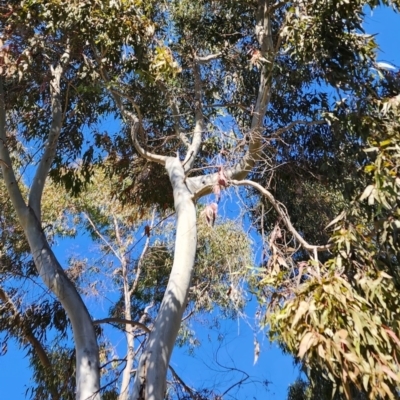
203	185
129	331
87	352
49	269
150	379
130	328
35	194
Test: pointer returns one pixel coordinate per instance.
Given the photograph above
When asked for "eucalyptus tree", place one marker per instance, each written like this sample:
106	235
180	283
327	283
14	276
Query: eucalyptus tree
128	261
214	92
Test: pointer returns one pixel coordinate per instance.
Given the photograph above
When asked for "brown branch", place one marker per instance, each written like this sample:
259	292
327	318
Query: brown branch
283	215
297	122
102	237
36	191
116	320
189	390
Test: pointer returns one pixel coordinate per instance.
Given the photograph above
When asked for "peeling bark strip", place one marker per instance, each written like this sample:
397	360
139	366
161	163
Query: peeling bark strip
153	365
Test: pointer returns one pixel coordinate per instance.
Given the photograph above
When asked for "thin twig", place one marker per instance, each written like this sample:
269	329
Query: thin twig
190	391
102	237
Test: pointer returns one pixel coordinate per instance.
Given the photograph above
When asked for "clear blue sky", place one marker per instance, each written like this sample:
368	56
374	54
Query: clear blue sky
202	368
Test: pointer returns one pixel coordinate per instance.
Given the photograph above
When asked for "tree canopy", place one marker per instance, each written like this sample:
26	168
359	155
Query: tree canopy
131	121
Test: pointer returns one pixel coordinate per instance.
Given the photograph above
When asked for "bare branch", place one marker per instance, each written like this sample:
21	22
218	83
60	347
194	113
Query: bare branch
121	321
246	376
208	58
136	125
282	214
191	392
187	316
297	122
108	244
36	191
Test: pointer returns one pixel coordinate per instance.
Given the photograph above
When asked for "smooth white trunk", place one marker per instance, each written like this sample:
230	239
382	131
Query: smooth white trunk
87	352
150	379
129	330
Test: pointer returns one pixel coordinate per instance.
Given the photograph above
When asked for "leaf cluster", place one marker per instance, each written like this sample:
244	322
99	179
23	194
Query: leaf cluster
341	317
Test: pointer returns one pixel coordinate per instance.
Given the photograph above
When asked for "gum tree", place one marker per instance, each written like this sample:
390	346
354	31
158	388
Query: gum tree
212	92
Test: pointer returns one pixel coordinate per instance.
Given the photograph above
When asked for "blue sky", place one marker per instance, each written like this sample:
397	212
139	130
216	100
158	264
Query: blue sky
238	345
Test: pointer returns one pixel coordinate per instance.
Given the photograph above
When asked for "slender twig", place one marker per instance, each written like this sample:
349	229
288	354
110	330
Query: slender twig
98	233
191	392
144	235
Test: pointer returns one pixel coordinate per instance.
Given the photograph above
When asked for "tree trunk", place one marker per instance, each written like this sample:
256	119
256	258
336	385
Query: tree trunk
87	352
129	331
150	379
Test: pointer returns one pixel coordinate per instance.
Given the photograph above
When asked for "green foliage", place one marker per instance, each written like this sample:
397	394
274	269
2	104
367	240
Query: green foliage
337	312
341	317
